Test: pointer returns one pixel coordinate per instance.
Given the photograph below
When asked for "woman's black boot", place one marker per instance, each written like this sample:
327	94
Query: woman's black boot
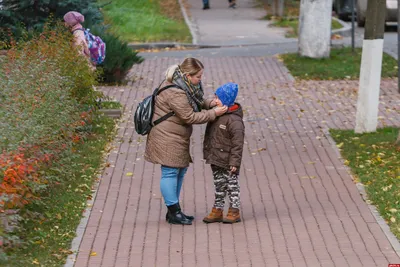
191	218
187	216
176	216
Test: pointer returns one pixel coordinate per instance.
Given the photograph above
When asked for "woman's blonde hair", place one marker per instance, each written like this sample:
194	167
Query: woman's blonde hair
189	66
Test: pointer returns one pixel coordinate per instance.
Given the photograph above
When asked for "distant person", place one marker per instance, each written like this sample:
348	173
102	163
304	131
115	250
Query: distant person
232	3
206	4
223	149
73	20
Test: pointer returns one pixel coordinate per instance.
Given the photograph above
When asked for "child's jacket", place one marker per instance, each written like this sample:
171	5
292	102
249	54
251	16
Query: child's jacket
224	138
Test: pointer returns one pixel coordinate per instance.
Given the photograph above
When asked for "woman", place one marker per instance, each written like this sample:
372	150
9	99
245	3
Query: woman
168	143
73	20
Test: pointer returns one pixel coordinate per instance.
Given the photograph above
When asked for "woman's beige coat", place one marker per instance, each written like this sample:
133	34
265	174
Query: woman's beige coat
168	143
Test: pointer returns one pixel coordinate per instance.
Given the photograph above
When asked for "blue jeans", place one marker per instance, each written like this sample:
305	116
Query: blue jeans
205	2
171	184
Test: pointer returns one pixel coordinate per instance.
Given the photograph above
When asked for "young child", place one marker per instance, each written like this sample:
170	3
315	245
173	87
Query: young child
223	147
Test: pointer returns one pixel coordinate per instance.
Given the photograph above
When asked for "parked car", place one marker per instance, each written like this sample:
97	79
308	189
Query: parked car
391	11
343	9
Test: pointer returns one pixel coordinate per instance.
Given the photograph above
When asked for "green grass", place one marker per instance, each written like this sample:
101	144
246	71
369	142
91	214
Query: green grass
342	64
111	105
49	237
336	25
146	21
293	25
375	161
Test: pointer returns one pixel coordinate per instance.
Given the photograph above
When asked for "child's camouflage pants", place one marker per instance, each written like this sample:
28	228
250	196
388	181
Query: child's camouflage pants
225	182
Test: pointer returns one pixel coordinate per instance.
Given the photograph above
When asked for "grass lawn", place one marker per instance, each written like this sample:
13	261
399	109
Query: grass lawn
375	162
146	20
292	9
110	105
342	64
293	26
49	237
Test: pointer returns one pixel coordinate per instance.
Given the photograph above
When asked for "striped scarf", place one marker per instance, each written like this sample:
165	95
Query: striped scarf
194	93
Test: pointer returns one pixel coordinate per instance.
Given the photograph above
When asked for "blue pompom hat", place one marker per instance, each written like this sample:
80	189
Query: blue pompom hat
227	93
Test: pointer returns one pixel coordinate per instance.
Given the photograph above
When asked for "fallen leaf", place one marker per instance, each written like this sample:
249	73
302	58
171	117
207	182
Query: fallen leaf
57	256
129	174
93	253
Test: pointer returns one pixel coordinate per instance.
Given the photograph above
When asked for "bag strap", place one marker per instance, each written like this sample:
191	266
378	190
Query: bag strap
170	114
159	90
163	118
80	29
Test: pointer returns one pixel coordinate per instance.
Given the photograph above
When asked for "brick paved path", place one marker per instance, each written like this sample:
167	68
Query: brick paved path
300	206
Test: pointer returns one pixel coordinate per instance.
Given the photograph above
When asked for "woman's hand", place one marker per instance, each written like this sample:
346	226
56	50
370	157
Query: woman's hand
220	110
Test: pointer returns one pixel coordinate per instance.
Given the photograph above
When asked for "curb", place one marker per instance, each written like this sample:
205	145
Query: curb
197	46
112	113
379	219
390	53
189	22
345	31
169	45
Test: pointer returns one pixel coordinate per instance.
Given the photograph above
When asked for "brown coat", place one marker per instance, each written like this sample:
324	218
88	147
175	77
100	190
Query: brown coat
168	143
223	140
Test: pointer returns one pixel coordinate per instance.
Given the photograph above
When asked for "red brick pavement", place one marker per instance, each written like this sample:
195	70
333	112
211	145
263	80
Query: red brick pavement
300	206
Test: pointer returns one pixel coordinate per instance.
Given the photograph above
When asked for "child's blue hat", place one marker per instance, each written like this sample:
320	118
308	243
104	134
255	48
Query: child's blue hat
227	93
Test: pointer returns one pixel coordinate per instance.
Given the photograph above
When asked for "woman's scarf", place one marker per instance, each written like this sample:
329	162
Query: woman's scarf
194	93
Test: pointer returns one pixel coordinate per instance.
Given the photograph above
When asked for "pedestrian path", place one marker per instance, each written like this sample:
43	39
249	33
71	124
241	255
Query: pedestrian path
300	206
224	26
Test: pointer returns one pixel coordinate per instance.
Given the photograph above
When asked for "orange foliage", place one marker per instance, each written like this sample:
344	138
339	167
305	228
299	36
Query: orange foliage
18	170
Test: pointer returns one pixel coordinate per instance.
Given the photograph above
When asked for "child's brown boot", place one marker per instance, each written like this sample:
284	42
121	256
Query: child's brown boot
214	216
233	216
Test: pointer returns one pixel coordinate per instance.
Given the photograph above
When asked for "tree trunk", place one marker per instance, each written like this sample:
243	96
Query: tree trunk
274	8
277	7
315	28
398	139
281	8
371	68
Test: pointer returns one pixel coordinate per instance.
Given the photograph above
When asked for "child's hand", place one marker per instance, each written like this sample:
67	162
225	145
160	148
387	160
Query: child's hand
233	169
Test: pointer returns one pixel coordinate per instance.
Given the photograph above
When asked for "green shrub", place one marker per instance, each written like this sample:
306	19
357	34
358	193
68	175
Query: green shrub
119	58
16	22
21	15
44	83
